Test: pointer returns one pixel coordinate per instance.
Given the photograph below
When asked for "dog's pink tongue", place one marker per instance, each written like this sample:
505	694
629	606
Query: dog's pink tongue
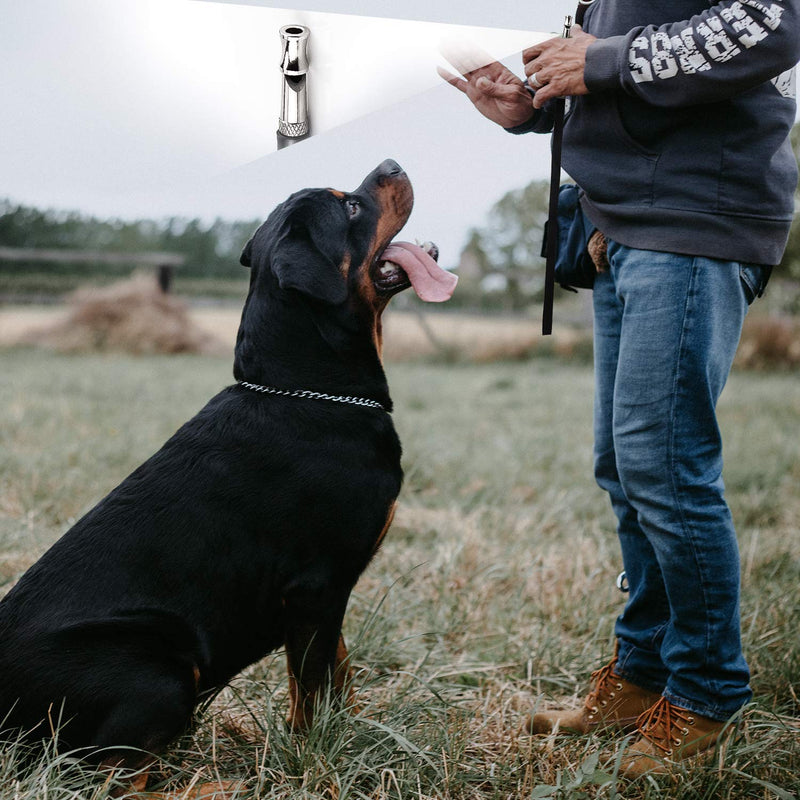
431	283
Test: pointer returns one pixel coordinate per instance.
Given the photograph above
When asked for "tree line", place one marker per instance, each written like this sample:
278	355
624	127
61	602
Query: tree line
211	249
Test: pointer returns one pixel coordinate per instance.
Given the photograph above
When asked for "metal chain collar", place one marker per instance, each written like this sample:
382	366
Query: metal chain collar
307	393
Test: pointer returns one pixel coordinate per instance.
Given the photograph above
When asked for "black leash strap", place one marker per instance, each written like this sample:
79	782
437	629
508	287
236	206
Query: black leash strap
551	227
551	253
581	12
551	231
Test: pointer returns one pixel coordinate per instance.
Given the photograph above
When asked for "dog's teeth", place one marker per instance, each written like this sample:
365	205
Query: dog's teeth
387	269
431	249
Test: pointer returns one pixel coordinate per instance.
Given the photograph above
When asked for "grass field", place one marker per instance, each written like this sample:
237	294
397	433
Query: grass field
493	592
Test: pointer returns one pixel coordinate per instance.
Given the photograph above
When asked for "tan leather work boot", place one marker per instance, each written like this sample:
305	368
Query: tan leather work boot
669	734
612	702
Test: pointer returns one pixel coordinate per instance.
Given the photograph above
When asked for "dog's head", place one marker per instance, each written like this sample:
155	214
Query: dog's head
334	247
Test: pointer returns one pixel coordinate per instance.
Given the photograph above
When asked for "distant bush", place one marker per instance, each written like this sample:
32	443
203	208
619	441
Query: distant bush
770	342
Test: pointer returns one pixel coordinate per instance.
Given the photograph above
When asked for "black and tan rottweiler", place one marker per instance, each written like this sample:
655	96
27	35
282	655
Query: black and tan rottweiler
247	530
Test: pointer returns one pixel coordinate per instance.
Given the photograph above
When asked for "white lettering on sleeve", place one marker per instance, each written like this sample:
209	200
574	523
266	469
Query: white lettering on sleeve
691	60
639	64
747	30
663	61
772	15
717	43
664	56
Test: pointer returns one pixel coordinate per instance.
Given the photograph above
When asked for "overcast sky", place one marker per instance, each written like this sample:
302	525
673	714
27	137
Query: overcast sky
159	107
544	15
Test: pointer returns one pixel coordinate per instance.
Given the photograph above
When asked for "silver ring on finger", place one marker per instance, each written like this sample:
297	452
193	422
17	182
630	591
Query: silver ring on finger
534	81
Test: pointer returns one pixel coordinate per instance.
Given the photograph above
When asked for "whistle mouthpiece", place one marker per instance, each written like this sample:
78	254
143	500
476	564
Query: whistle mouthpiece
565	34
293	119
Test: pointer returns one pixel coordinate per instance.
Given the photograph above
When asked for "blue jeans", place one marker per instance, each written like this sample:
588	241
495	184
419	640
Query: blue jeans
666	331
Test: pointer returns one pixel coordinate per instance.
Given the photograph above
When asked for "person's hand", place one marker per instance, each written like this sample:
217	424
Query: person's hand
492	88
555	68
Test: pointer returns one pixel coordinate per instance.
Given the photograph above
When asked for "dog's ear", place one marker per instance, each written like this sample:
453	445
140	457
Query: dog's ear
244	258
307	257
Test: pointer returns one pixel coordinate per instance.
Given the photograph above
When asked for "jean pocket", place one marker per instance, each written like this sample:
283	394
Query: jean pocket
754	278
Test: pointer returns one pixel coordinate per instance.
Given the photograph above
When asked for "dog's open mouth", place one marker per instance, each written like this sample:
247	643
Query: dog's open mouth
403	264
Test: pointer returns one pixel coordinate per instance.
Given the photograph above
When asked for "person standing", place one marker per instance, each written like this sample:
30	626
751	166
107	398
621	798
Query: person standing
677	133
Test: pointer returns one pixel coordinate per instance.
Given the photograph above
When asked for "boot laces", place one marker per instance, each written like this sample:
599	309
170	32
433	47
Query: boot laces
665	725
605	686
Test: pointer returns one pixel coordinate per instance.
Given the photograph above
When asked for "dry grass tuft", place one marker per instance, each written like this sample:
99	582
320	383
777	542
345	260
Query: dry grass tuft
468	338
132	316
769	343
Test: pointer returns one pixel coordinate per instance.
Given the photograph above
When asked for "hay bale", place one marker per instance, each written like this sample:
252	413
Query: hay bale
132	316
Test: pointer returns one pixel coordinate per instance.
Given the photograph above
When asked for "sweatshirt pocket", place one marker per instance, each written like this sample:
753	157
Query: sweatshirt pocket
602	156
757	180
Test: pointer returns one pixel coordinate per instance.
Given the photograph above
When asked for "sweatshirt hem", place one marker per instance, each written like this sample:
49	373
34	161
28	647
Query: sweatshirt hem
728	237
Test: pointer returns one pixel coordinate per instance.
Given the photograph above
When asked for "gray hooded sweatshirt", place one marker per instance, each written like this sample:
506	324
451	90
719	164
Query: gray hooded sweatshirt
682	144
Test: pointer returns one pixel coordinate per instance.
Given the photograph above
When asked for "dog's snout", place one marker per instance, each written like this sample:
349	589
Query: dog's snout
389	168
387	176
387	171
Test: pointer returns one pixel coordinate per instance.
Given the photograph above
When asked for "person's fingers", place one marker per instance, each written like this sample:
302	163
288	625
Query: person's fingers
499	91
533	66
530	53
539	47
536	81
539	78
544	94
453	80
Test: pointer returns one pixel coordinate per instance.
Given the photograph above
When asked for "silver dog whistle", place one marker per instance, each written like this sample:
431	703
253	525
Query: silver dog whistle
293	122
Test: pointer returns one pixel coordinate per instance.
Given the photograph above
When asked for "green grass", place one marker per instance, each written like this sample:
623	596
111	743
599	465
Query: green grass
493	592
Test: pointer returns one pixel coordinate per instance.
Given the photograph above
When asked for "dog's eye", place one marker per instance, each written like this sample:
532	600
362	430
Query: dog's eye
353	207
